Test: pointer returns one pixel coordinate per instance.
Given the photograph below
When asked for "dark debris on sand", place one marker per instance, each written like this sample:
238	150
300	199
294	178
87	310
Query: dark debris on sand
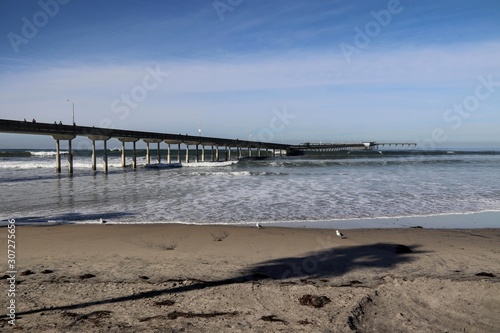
315	301
86	276
274	319
27	272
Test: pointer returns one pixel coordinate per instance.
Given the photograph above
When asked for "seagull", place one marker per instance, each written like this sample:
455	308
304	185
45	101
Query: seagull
102	221
258	225
339	234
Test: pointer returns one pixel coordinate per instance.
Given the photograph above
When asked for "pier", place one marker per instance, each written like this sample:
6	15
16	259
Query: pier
326	147
243	148
60	132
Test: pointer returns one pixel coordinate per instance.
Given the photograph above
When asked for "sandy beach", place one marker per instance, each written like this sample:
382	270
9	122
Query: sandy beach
186	278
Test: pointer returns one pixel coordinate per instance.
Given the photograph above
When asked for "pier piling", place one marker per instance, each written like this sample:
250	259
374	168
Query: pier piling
105	156
70	158
94	157
134	156
58	157
159	154
123	155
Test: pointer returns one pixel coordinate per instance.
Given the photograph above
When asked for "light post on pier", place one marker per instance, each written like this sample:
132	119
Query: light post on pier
73	103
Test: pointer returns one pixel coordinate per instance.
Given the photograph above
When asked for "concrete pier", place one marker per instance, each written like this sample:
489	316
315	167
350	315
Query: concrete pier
58	138
124	161
95	138
94	158
69	132
70	157
124	157
105	156
134	156
58	157
159	153
148	155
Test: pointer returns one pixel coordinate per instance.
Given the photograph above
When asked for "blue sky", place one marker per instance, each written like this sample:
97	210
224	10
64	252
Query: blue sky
283	71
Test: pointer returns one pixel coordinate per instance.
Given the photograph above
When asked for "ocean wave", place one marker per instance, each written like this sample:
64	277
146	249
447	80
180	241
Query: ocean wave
46	153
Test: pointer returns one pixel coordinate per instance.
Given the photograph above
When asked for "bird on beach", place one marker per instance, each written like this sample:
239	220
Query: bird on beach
258	225
102	221
339	234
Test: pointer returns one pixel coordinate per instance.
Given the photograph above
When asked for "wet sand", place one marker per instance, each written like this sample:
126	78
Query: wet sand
181	278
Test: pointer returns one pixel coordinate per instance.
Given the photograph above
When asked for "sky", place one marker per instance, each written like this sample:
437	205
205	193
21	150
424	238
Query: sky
278	71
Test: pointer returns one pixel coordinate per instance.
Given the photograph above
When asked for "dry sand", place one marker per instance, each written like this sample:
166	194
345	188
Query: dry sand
179	278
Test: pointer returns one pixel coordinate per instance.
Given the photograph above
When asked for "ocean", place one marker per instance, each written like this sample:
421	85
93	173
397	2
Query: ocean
314	189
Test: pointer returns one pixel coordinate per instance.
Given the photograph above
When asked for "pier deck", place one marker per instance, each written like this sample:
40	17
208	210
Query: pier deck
69	132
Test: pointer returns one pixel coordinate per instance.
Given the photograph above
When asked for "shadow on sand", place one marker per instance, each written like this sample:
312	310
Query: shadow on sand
322	264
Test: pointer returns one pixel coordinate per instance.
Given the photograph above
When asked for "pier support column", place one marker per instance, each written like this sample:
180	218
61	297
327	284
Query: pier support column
70	158
58	138
217	153
105	156
178	153
93	138
148	150
187	153
169	156
212	155
58	157
203	153
123	155
249	152
197	154
148	155
228	153
134	157
94	157
159	155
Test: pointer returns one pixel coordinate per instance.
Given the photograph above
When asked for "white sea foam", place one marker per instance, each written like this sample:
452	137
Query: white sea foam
268	191
209	164
46	153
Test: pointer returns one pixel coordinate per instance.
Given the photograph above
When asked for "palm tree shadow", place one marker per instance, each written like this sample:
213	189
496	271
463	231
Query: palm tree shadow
336	261
323	264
